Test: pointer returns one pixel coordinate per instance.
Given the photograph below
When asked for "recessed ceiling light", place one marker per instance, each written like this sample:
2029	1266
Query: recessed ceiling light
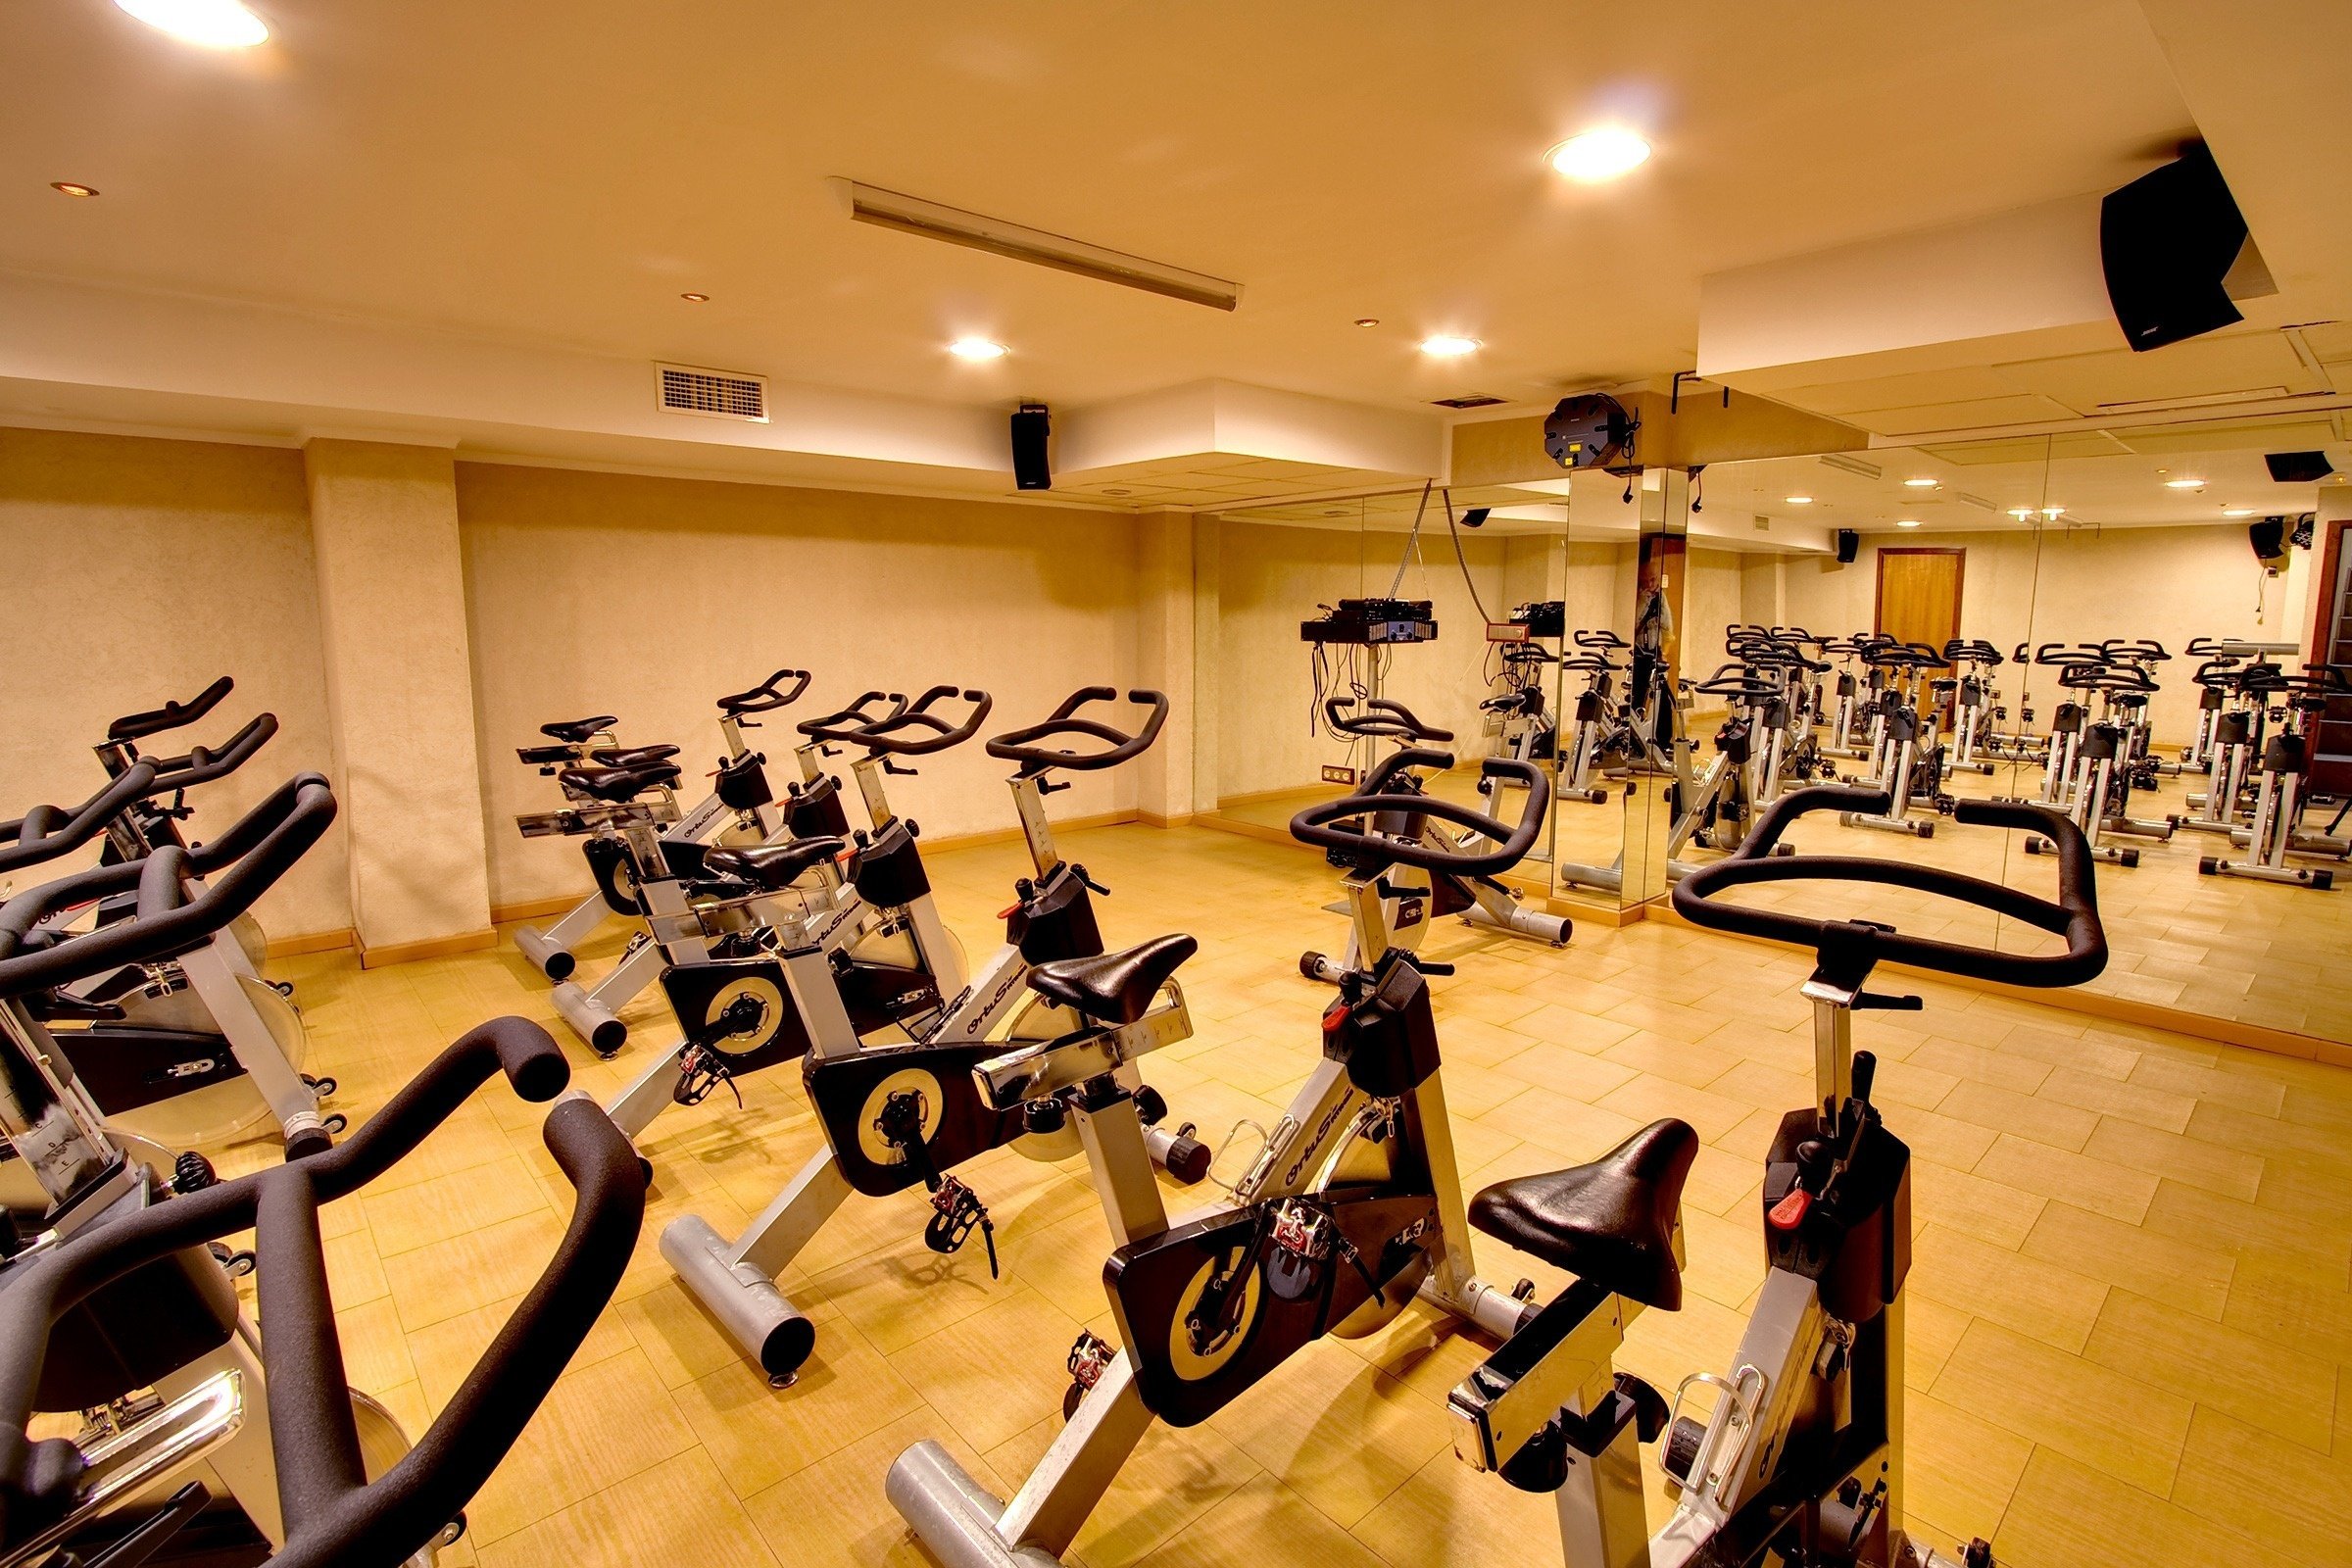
1367	320
212	24
2238	511
2184	484
977	349
71	189
1907	523
693	298
1801	501
1445	346
1918	484
1603	153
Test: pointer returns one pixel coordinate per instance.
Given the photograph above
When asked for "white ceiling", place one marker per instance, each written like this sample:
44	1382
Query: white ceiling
539	183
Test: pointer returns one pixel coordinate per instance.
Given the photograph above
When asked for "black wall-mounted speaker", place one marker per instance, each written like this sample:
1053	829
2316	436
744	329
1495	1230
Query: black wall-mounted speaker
1032	425
2166	242
2298	467
1850	545
2268	537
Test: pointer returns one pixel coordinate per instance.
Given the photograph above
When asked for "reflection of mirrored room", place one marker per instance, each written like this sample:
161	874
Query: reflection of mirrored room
1184	786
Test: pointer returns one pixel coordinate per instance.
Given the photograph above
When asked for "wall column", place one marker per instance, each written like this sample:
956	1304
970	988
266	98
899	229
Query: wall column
1165	662
1207	647
399	696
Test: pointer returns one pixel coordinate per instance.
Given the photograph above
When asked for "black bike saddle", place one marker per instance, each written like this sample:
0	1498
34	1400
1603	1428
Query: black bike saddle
1113	987
1610	1221
773	867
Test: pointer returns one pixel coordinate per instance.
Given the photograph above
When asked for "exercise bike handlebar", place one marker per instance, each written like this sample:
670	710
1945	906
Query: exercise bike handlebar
2075	915
844	725
1318	824
201	765
172	716
764	698
46	832
333	1514
1380	720
170	919
1600	639
937	734
1027	746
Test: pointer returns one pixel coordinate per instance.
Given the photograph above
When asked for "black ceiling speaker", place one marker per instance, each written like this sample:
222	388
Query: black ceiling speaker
2298	467
1591	431
1850	545
1031	425
2167	241
1476	516
2269	538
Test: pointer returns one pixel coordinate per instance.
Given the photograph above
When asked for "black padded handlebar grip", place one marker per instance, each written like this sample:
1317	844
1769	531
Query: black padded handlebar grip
1024	745
172	716
764	698
1382	720
2075	915
844	724
203	763
1315	825
256	851
44	833
884	737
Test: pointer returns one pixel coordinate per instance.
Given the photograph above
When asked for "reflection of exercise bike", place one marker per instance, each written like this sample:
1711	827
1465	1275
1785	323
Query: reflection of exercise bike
1908	761
1350	1211
903	1112
2295	705
1411	897
1600	729
2098	797
1527	732
1796	1455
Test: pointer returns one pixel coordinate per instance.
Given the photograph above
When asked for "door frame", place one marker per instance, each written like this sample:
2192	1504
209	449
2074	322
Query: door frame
1877	604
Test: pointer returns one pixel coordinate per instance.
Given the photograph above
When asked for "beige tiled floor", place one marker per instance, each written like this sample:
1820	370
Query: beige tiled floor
2128	1318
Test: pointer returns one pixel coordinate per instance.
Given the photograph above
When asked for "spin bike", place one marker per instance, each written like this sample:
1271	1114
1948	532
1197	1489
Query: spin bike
189	1048
1908	758
1411	897
2281	789
200	1441
1796	1455
2099	795
740	791
896	1115
1352	1209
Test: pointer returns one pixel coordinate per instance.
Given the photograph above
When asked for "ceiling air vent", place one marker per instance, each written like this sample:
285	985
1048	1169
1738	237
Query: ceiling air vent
714	394
1477	401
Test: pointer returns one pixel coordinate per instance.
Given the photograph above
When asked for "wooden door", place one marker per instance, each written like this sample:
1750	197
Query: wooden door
1919	595
2331	643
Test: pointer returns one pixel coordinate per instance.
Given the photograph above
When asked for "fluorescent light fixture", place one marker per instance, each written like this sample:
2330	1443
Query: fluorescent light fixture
1605	152
2184	484
1907	523
1801	501
1446	346
912	214
210	24
1918	484
2238	511
977	349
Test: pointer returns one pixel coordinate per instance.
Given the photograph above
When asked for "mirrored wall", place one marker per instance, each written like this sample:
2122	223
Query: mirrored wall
2130	625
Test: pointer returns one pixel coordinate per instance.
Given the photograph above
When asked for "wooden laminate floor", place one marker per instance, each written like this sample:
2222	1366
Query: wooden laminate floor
2128	1314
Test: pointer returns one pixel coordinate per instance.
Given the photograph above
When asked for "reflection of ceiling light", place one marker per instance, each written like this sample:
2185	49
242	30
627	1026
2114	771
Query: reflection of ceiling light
1445	346
1601	153
2238	511
2021	513
212	24
2051	511
71	189
1367	320
2184	484
1801	501
693	298
1907	523
1918	484
977	349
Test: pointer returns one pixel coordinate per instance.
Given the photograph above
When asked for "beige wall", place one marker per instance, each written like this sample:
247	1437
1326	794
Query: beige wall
1271	577
138	572
1711	602
2079	585
596	593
